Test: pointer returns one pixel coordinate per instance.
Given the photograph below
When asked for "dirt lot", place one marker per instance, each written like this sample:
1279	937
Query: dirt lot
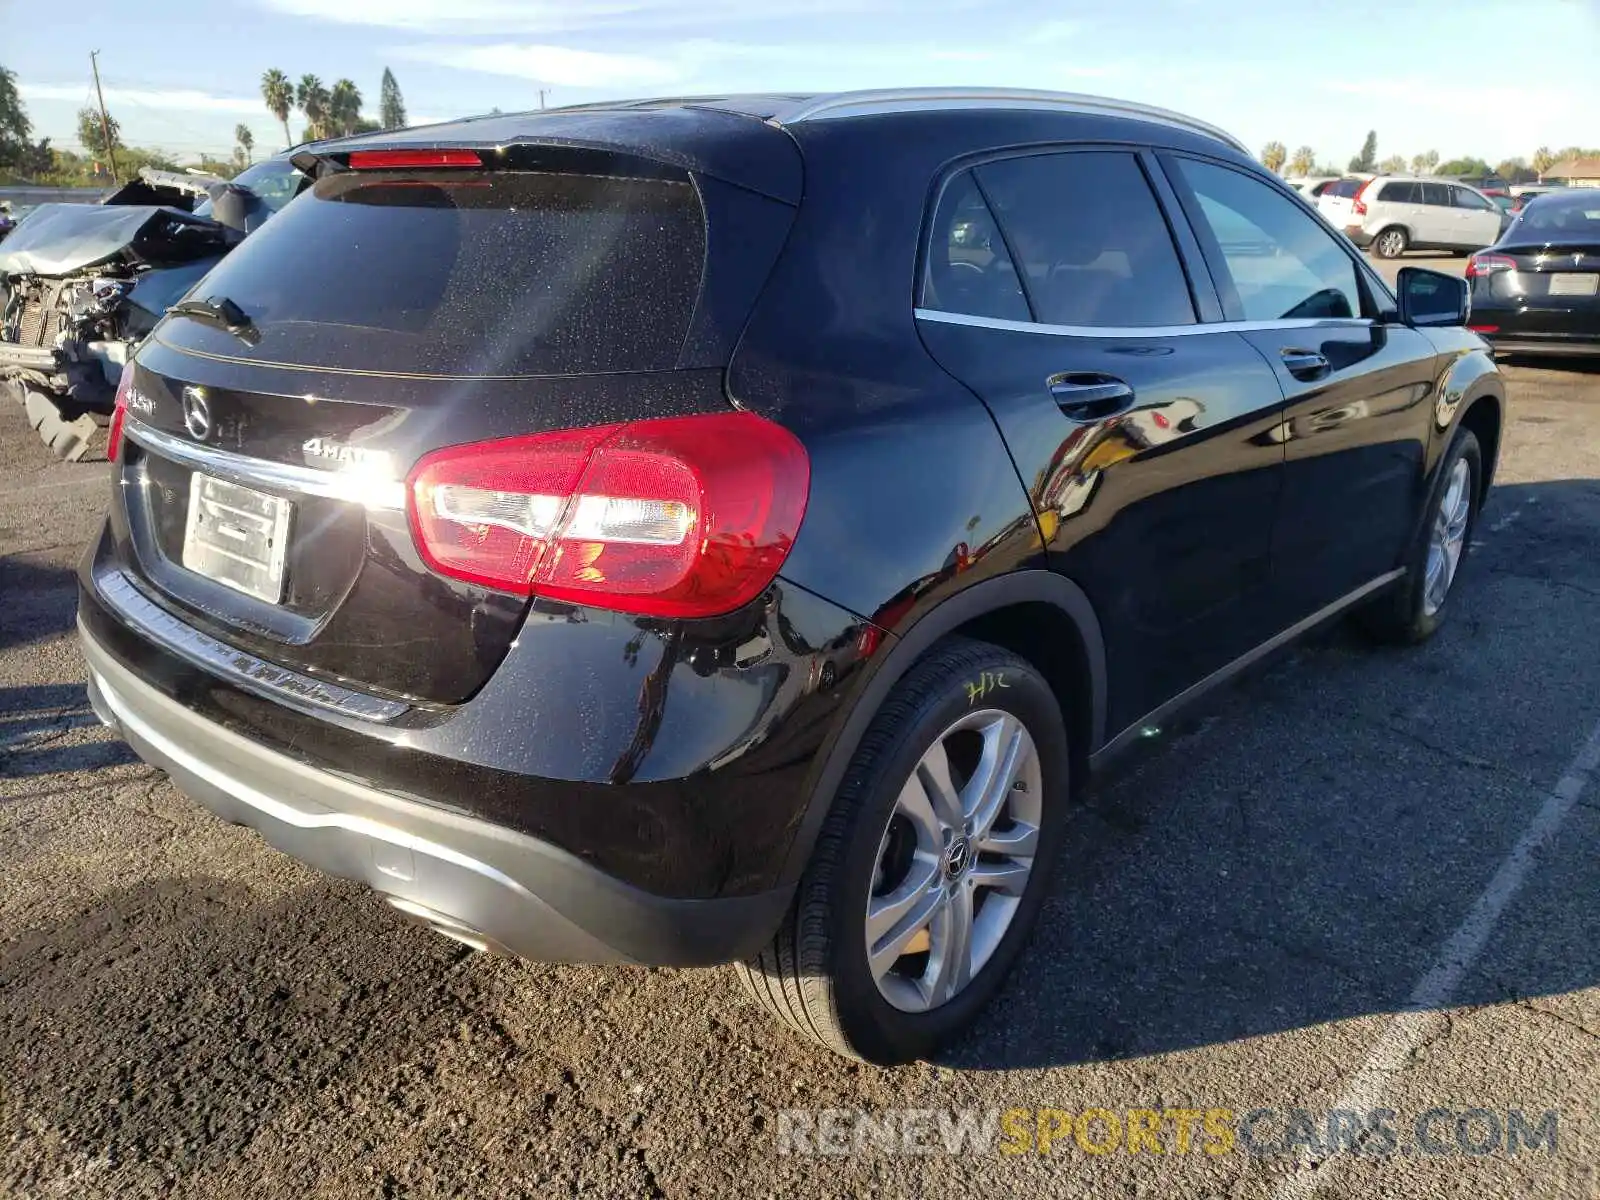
1350	835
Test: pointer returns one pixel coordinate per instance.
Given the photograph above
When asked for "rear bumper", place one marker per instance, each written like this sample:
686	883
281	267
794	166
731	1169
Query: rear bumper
1359	236
481	883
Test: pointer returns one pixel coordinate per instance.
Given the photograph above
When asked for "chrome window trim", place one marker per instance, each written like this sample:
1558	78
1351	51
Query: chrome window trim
384	495
892	100
1139	331
245	671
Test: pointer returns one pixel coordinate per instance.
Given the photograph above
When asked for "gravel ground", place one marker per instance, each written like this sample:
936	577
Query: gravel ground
1351	833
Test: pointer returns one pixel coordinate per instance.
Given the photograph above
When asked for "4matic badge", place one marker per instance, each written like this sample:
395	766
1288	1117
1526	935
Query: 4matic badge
329	450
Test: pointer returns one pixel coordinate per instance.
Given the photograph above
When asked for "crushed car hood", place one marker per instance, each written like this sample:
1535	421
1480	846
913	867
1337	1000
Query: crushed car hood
58	239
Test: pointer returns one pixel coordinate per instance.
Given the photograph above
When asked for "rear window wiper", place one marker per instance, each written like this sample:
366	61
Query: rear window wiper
221	311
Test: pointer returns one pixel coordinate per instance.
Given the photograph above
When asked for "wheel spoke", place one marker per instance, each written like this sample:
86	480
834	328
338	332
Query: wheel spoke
1004	747
1020	841
934	774
916	805
893	920
952	941
1009	877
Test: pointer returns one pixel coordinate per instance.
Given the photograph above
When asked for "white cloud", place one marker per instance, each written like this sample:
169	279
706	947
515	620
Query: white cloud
466	17
185	99
560	66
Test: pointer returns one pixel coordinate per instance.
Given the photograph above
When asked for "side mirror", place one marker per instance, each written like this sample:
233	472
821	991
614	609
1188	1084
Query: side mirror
1430	298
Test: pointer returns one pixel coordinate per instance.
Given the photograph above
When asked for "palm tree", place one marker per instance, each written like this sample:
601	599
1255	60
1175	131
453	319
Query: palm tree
278	92
344	107
1304	162
246	140
313	99
1273	156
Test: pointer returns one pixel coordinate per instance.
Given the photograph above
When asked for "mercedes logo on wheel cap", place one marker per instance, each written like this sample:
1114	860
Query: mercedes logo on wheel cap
196	414
956	857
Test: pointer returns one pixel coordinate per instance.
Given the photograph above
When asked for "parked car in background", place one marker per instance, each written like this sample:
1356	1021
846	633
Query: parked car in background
1312	186
1335	198
1537	289
81	284
1392	214
526	547
1520	197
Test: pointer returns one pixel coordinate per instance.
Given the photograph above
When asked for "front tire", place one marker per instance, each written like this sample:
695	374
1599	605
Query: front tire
1413	612
930	870
1391	243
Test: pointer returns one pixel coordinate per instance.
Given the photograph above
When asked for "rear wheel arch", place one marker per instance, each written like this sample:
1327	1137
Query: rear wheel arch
1039	615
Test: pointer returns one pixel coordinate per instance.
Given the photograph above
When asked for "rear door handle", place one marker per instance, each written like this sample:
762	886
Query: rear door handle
1306	364
1087	397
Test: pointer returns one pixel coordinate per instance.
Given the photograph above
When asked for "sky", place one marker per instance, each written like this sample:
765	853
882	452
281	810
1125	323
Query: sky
1480	77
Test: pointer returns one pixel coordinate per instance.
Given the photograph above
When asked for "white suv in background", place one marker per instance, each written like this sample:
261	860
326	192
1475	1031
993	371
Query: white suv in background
1396	213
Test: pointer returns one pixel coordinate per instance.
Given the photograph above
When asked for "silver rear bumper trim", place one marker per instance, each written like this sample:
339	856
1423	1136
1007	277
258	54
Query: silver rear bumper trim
243	670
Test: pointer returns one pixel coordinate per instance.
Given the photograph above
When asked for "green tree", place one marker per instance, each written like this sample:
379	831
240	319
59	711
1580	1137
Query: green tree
278	92
92	135
314	100
391	108
1516	170
1367	160
1467	166
344	107
1304	161
1395	164
1273	156
1542	159
15	128
246	140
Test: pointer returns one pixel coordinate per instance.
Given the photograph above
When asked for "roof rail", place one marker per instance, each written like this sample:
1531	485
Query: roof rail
887	100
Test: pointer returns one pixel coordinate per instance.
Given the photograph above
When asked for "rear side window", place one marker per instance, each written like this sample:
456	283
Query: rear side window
1400	193
474	273
1436	193
1092	246
1283	263
968	269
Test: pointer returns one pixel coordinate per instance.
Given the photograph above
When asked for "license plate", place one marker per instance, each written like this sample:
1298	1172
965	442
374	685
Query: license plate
237	536
1574	285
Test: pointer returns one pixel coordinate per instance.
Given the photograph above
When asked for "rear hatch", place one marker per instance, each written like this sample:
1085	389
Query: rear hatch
1544	275
1337	200
386	313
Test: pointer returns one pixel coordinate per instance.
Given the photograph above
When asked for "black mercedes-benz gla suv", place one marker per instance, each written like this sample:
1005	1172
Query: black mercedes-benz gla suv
734	529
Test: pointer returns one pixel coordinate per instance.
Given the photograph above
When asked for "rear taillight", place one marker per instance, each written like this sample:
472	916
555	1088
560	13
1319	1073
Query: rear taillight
1480	265
385	160
678	517
119	414
1358	205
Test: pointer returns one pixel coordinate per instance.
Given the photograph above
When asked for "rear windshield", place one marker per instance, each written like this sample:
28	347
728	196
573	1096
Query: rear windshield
1562	218
1345	187
503	273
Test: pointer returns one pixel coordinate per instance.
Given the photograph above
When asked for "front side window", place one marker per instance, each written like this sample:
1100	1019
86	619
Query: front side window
1091	244
968	270
1283	263
1467	198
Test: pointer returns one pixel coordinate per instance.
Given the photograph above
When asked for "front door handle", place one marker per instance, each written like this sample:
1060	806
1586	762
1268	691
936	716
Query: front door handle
1088	397
1306	364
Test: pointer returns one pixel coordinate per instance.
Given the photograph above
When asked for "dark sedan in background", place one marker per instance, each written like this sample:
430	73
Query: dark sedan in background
1537	289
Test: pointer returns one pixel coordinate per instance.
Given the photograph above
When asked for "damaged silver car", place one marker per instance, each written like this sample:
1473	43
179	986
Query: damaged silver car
82	284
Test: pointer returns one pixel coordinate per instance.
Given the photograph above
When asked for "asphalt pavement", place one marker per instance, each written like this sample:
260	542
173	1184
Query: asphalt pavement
1360	880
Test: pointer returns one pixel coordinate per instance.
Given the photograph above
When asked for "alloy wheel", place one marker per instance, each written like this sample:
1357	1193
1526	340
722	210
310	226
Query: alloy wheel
1391	244
1447	538
954	860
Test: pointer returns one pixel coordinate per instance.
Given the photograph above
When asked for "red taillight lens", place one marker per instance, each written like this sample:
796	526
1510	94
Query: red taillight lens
119	414
381	160
1489	264
1358	205
679	517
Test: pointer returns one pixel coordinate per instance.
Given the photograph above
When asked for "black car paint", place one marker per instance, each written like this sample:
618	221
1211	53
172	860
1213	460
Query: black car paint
1525	318
694	759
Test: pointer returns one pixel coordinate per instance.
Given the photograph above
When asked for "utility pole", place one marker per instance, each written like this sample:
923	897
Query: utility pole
105	121
541	97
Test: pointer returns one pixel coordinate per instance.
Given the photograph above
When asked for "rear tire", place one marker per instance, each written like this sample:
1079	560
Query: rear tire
877	866
1391	243
1413	611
